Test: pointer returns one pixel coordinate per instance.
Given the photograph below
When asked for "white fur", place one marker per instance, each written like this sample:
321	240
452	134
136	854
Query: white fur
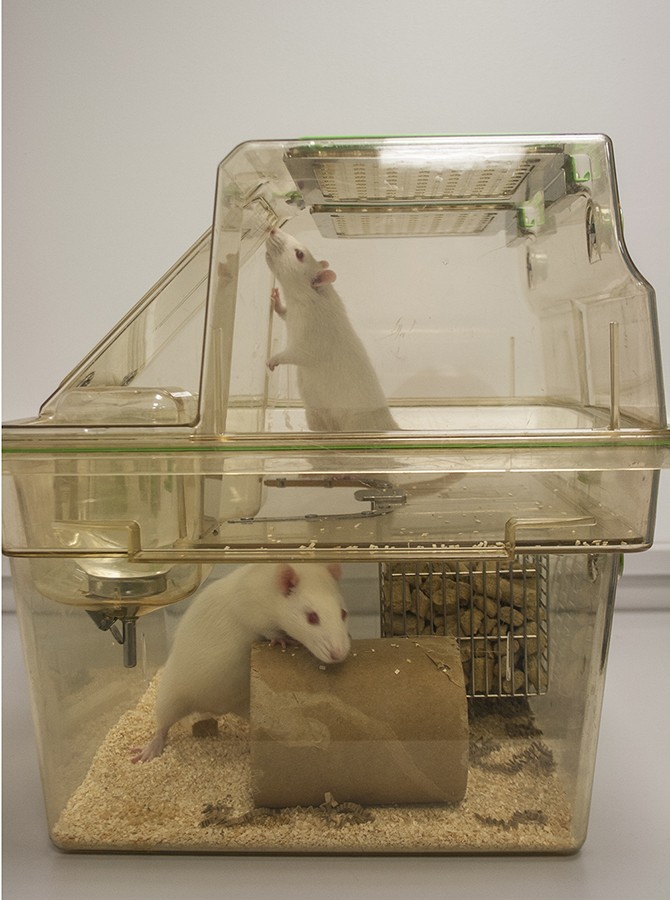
337	382
207	670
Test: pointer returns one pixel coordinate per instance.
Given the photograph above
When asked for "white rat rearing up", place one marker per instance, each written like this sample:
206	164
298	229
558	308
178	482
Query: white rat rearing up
337	382
207	670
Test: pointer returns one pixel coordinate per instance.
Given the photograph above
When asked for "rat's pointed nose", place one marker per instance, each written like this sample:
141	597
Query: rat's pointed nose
337	654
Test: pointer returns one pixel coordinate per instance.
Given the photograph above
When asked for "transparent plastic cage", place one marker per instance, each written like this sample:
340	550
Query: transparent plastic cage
475	403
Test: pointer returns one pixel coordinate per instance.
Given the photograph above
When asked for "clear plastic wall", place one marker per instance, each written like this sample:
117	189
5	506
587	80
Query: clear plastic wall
476	297
531	753
487	278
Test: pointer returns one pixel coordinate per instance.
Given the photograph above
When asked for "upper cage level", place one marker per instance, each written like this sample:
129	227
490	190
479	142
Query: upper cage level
486	277
473	361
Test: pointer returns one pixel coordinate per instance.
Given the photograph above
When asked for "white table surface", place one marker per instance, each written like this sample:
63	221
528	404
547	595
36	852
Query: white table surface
626	855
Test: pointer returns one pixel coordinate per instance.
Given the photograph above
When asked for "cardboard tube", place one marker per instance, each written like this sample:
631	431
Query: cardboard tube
388	725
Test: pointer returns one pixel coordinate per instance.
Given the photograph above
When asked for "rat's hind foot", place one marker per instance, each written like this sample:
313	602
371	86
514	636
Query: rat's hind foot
153	749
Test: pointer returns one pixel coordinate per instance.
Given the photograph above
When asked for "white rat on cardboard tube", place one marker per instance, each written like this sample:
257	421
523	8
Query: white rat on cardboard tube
336	379
207	670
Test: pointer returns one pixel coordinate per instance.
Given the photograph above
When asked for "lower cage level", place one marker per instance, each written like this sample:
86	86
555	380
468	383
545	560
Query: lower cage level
533	716
197	796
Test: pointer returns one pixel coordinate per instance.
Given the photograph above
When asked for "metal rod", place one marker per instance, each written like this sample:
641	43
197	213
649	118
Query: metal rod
615	415
129	643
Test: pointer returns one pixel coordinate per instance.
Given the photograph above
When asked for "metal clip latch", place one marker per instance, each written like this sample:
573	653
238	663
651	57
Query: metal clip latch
382	496
381	499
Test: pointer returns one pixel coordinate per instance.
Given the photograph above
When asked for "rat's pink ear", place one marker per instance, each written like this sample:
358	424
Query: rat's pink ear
287	579
325	276
324	263
335	570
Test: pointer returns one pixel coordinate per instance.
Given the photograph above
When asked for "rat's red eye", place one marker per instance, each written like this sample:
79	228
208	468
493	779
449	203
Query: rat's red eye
313	618
299	255
344	615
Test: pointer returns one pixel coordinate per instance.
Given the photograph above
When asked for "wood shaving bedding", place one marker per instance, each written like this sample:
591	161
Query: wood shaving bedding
197	797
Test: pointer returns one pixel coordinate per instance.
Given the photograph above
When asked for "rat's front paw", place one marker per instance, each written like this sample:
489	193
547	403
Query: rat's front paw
274	361
277	305
284	641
